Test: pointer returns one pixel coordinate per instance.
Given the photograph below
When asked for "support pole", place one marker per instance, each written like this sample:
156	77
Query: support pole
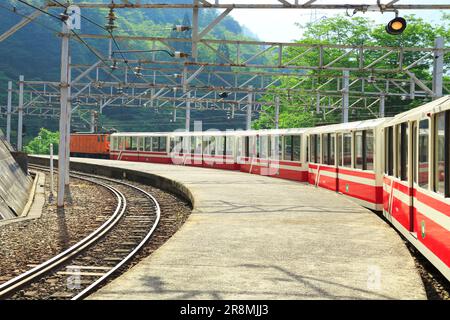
345	100
249	109
277	112
69	119
188	111
92	122
438	67
382	101
8	113
20	114
64	93
51	168
195	29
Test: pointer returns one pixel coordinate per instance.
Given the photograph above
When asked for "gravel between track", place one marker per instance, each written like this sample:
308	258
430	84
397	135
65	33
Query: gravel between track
35	243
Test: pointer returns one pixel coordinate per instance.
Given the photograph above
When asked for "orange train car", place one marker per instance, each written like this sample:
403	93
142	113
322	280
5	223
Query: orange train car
90	145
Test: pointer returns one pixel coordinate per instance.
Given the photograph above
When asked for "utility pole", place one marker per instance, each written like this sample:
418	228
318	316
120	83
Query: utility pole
8	113
382	101
277	112
92	122
51	168
345	100
69	119
438	67
249	108
20	114
188	111
64	93
195	29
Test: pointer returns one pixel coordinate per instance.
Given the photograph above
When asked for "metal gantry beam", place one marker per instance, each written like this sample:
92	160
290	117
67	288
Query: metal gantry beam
295	4
286	56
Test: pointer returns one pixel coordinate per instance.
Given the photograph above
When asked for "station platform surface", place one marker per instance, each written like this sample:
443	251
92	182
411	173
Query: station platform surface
255	237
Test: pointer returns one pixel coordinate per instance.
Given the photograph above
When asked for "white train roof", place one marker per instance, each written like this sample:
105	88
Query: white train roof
212	133
423	111
349	126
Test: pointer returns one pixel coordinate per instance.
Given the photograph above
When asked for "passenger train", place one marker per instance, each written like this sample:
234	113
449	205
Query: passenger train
399	165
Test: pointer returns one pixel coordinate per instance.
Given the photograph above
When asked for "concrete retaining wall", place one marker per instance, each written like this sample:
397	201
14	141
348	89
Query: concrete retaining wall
14	185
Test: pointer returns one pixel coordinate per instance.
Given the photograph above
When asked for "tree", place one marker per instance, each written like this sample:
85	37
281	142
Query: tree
342	30
41	143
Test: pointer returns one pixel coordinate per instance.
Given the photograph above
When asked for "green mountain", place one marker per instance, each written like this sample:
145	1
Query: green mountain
34	51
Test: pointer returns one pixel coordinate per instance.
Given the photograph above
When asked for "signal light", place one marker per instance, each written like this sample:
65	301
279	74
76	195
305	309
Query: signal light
396	26
181	28
179	55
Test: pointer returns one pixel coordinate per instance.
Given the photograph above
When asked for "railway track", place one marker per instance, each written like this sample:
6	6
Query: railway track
84	267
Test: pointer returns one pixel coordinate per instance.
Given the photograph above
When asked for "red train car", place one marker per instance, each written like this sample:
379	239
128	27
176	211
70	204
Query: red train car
90	145
416	179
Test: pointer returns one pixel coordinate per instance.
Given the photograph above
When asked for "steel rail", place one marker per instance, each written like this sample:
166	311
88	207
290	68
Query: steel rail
91	288
30	275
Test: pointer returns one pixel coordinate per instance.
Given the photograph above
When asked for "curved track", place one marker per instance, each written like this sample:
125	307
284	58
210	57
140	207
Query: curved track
85	266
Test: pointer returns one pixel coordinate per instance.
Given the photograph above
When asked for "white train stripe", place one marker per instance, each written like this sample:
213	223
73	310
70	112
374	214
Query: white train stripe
438	217
432	214
438	263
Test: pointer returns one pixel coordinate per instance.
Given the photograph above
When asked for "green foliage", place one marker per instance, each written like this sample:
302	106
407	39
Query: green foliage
342	30
41	143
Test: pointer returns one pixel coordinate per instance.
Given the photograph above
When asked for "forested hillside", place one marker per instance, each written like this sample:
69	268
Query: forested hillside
34	52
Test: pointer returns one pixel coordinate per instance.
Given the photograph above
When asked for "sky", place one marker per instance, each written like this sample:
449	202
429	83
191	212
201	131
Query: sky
279	24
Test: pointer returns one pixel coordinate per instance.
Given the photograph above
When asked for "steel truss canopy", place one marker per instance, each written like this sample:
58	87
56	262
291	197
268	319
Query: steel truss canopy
363	6
321	77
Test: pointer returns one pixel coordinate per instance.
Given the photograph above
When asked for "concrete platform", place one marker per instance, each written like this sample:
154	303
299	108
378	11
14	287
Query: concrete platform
254	237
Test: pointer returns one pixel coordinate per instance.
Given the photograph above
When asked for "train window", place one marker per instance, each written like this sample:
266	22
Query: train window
198	145
359	156
162	144
331	142
325	147
318	155
219	145
339	149
212	146
247	147
307	148
275	147
347	150
229	145
193	144
98	138
154	144
114	143
287	148
369	147
181	144
296	148
224	145
402	138
314	148
264	147
389	152
442	153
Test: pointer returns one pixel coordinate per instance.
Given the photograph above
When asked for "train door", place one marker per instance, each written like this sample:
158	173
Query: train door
413	175
338	158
